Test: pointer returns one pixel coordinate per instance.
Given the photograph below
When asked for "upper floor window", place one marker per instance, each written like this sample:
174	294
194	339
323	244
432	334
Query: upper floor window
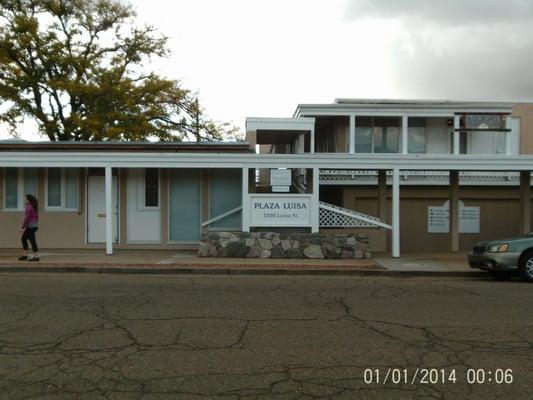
483	133
62	189
416	135
377	134
17	183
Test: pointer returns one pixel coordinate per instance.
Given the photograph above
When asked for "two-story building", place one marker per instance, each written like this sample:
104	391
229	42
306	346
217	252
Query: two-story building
414	175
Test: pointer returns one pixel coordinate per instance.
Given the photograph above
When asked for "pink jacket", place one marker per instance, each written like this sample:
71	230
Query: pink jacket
30	217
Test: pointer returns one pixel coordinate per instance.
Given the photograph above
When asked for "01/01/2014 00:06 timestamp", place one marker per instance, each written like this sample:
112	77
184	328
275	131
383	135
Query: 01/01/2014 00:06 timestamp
433	376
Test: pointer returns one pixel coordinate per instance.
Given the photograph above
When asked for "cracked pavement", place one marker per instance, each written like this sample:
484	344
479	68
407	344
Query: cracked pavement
90	336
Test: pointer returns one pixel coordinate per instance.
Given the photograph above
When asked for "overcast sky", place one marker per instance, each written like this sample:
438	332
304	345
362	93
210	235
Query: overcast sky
262	58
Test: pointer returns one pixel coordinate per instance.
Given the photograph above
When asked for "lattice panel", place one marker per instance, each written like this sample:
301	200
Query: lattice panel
330	219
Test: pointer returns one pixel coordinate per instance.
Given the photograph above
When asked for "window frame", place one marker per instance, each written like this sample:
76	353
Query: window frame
21	188
63	200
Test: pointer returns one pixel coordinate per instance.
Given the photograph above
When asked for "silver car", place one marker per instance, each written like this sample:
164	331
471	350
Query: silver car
505	257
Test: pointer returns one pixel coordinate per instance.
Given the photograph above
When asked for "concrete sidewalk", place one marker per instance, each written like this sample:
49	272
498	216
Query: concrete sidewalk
169	261
173	261
430	262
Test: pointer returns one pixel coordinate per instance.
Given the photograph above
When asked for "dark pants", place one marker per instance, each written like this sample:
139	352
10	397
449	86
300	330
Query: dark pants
29	234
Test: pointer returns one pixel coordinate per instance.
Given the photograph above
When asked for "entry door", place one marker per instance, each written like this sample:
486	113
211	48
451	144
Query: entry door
96	209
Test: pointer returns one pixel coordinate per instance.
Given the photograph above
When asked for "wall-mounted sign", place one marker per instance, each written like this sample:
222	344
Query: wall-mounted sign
281	189
280	177
439	219
281	210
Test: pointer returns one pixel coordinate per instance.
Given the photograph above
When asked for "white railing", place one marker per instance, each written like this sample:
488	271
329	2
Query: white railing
332	216
420	177
222	216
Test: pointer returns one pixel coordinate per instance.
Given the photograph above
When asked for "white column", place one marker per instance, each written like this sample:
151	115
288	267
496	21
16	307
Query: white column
405	135
396	212
315	214
525	202
312	146
108	211
245	200
512	137
351	139
301	143
456	139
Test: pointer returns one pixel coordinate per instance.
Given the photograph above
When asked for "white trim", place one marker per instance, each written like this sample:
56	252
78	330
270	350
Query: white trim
253	124
463	162
396	212
245	200
108	183
404	135
351	140
315	198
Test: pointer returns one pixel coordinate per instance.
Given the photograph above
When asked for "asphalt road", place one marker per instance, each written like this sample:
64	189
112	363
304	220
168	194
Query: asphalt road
89	336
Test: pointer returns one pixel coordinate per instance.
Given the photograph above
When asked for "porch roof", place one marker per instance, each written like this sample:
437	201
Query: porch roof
120	146
139	159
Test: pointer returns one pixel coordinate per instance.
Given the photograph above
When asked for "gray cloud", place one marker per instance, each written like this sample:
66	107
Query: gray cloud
457	49
450	12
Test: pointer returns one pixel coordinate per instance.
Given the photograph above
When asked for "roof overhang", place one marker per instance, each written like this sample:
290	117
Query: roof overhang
428	108
234	160
254	124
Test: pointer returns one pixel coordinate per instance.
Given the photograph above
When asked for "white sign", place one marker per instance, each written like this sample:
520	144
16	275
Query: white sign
439	219
287	211
469	219
280	177
278	189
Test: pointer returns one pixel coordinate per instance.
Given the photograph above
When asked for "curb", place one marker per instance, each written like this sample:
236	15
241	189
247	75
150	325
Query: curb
237	272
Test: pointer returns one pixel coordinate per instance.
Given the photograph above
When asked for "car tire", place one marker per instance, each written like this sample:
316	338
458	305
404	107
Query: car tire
525	267
501	275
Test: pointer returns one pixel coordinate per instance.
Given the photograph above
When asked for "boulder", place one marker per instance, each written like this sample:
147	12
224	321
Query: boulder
254	252
265	244
203	250
236	249
313	251
265	254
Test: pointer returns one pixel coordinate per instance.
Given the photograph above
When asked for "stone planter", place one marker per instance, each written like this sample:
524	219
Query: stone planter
283	245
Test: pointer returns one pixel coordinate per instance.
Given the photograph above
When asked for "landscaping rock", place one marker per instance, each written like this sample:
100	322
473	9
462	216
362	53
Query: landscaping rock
265	254
283	245
313	251
265	244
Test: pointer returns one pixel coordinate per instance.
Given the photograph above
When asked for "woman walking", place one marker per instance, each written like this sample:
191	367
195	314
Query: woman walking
29	227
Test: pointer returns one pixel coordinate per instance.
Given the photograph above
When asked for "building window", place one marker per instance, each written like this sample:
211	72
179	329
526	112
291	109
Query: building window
151	188
416	135
363	134
18	183
62	189
377	134
11	188
386	133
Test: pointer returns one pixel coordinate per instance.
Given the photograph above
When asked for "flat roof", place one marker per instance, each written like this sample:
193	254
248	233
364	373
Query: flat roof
347	105
117	146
